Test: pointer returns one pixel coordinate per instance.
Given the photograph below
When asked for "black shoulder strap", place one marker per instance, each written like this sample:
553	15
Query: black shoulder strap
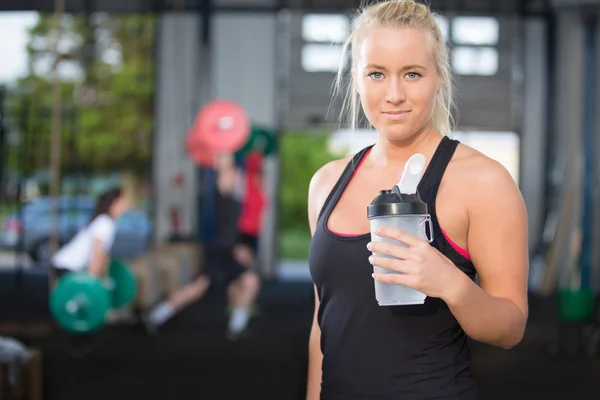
430	182
342	182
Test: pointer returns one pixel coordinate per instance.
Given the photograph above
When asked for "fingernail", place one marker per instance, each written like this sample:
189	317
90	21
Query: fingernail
371	259
369	246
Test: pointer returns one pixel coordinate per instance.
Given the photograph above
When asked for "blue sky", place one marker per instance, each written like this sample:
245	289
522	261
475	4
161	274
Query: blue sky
13	40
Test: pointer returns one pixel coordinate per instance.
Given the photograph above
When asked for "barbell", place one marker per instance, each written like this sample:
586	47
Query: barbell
79	302
223	126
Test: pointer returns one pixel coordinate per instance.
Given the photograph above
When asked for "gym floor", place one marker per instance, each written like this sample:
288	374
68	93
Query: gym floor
190	358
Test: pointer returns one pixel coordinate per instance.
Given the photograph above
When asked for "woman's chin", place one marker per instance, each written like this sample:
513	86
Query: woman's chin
401	134
396	135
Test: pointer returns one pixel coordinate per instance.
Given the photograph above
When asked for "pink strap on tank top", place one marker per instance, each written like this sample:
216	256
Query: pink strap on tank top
354	173
456	247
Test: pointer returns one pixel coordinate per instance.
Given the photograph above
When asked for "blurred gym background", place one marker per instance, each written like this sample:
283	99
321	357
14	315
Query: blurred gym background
95	93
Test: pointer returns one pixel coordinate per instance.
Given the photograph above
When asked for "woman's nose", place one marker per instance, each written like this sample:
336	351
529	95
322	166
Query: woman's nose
395	92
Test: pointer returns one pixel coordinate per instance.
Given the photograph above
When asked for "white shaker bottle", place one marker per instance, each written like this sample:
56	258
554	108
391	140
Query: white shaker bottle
402	208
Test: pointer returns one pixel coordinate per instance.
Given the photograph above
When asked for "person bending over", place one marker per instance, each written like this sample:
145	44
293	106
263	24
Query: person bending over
89	250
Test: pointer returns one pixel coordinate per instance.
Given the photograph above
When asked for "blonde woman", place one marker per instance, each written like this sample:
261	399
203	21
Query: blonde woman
400	78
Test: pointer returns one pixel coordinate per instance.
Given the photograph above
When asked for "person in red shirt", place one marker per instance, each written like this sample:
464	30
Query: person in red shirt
254	200
243	291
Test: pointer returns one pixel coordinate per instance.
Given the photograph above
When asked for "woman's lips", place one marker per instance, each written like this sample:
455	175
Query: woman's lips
396	115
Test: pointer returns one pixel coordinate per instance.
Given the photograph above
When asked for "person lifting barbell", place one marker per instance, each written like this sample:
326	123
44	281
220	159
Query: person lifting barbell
240	202
89	250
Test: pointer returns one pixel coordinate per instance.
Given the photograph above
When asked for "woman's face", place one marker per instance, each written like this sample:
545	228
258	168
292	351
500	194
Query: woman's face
397	81
119	206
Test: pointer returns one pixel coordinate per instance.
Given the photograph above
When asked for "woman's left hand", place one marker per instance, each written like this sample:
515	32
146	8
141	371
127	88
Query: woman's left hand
421	266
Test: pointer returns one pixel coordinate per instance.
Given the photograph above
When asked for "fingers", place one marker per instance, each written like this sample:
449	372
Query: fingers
391	249
396	279
401	236
391	264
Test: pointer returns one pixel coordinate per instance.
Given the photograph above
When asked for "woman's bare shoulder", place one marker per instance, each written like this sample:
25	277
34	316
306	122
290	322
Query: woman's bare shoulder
325	178
472	166
480	176
321	184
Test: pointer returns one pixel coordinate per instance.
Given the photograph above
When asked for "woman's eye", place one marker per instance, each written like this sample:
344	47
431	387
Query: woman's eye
376	75
412	75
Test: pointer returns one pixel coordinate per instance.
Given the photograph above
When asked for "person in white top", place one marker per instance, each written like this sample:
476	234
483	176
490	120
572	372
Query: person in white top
89	249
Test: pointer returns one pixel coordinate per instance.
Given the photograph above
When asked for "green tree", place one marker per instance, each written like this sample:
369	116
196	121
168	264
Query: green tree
107	79
302	154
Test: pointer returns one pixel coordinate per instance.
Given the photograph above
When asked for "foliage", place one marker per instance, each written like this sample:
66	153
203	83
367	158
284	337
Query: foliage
302	154
294	245
111	59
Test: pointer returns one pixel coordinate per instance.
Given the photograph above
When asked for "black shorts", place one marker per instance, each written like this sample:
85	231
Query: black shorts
221	266
248	240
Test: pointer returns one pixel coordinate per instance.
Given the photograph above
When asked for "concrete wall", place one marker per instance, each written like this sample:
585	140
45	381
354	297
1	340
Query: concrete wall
177	100
485	102
244	69
243	63
567	117
568	104
308	94
535	125
239	65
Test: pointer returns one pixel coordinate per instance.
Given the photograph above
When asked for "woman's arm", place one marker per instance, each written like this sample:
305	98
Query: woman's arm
496	311
320	185
102	231
98	265
315	356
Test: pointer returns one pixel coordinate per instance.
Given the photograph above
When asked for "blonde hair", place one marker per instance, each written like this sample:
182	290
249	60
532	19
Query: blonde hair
397	14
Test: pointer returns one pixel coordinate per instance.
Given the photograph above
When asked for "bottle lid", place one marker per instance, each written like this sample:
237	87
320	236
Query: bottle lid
393	203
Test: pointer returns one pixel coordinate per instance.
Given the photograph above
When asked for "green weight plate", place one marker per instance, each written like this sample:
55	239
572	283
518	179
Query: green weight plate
260	139
79	303
125	285
575	305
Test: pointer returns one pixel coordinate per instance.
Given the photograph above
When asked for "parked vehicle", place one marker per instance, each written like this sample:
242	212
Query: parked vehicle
30	229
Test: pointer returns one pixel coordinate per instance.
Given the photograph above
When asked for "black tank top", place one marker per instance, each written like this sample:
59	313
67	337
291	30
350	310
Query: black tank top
386	353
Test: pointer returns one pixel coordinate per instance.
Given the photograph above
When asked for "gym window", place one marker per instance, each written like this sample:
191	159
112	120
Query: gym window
323	35
324	28
474	41
321	57
479	31
468	60
444	25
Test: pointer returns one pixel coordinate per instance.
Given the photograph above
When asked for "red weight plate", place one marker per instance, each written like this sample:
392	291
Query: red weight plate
199	152
223	126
